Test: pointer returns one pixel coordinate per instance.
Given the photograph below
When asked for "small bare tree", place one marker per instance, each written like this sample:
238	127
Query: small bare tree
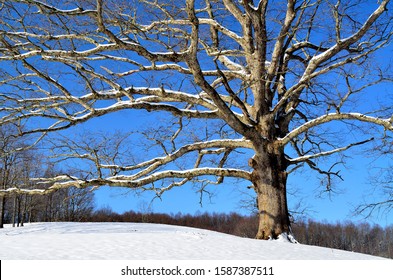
275	81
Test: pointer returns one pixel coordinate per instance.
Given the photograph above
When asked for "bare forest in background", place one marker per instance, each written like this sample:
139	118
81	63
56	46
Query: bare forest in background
72	205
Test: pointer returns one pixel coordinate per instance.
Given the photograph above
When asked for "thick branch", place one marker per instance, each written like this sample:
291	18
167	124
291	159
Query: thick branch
305	158
126	181
386	123
194	65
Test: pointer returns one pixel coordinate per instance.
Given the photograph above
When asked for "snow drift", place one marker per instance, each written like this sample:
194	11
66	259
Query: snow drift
133	241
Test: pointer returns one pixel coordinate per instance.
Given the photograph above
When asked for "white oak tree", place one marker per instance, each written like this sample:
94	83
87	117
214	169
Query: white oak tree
281	77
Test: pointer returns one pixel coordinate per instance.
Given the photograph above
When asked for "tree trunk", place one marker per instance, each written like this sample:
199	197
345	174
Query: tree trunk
19	213
30	213
269	179
2	211
14	211
23	211
48	210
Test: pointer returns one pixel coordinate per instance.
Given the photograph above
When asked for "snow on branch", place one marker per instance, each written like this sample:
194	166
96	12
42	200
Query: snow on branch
385	123
155	163
327	153
62	182
327	59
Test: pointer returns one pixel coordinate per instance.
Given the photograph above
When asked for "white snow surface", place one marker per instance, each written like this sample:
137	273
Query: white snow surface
139	241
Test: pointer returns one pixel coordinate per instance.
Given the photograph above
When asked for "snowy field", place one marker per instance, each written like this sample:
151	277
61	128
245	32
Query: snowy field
132	241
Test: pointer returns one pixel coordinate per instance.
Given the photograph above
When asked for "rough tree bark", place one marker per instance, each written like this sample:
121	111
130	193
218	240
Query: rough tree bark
269	178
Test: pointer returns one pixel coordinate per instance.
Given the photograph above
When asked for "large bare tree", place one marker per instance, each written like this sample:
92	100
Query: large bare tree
267	85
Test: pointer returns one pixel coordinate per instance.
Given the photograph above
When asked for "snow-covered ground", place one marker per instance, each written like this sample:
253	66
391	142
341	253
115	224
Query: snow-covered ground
132	241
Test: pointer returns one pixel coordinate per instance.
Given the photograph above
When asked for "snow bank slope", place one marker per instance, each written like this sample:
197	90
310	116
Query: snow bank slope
120	241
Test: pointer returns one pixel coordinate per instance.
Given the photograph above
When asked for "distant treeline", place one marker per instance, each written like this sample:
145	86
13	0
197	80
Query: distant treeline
72	204
362	237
